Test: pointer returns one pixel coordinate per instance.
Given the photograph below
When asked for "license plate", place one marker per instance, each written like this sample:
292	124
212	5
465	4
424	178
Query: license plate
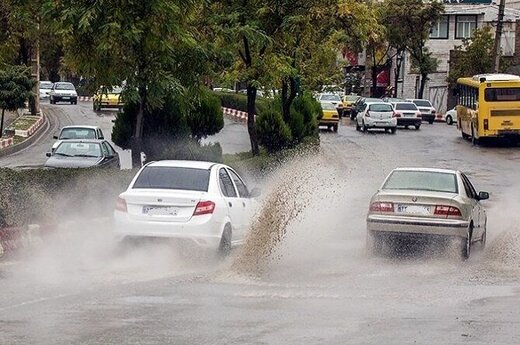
414	209
159	211
65	97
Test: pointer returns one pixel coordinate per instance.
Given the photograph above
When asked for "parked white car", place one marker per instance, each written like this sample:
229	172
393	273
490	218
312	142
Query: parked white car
63	92
377	115
203	202
331	98
45	88
77	132
451	116
427	109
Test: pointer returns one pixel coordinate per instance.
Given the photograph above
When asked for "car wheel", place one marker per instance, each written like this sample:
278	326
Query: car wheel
474	140
225	241
358	127
449	120
466	245
418	126
335	127
393	130
483	239
365	128
51	101
430	122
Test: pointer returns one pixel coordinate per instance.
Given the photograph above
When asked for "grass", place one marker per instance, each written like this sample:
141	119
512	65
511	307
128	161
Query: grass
23	123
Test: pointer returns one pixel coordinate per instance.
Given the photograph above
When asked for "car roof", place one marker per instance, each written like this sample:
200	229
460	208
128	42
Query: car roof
81	126
434	170
377	102
182	164
86	141
63	82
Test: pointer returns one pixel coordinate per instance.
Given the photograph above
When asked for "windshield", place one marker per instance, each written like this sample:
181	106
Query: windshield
422	180
351	98
77	133
380	107
335	98
422	103
173	178
46	85
328	106
78	149
405	106
64	86
114	90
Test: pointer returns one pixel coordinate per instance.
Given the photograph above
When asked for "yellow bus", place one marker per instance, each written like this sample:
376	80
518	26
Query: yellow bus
489	106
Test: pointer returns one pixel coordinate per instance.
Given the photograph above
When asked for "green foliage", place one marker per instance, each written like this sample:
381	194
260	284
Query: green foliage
189	149
47	196
15	86
273	133
310	111
474	56
239	102
206	117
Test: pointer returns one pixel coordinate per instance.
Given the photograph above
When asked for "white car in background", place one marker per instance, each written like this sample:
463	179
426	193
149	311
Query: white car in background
451	116
377	115
77	132
203	202
428	111
331	98
45	89
63	92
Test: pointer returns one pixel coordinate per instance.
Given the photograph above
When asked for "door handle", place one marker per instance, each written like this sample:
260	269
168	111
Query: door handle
230	204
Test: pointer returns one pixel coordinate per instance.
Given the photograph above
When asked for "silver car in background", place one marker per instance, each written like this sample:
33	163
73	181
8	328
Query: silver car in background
422	202
377	115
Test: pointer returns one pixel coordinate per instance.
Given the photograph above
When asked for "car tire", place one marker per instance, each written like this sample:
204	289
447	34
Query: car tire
406	127
465	249
335	128
365	128
51	101
417	127
474	140
449	120
430	122
358	127
393	130
224	247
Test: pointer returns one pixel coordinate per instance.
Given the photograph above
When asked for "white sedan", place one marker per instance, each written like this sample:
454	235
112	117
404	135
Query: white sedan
451	116
206	203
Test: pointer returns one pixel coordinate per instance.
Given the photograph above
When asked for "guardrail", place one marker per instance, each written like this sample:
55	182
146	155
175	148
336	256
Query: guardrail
235	114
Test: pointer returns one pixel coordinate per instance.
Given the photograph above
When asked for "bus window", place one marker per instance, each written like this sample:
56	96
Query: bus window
502	94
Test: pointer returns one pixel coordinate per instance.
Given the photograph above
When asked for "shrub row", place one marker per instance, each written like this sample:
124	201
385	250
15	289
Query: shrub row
239	101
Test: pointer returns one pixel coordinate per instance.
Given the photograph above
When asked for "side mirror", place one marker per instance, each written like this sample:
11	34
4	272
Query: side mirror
255	193
48	154
55	137
483	195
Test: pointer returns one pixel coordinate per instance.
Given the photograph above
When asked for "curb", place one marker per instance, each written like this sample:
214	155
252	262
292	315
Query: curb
42	129
235	114
29	132
6	142
84	99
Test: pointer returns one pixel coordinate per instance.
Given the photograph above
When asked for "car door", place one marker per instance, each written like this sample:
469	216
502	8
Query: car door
244	202
481	211
230	196
475	204
112	157
361	114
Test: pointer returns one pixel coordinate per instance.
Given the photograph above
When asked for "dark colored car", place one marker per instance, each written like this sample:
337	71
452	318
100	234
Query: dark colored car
83	154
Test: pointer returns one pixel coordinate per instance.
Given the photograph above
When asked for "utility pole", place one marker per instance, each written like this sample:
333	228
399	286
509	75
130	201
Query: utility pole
498	36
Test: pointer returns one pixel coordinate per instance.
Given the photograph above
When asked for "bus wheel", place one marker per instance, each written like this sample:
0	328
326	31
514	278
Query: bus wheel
473	139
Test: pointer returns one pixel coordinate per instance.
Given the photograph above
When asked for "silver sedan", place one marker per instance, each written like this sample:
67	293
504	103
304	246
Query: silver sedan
417	202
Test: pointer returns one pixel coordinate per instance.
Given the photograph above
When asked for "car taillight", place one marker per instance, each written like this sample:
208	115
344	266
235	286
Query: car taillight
121	205
448	211
394	114
434	111
204	207
367	114
382	207
418	114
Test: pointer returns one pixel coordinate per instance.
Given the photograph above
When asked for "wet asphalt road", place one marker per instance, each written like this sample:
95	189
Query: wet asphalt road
319	288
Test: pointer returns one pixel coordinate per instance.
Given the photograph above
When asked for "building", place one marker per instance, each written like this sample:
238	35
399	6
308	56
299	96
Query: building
458	22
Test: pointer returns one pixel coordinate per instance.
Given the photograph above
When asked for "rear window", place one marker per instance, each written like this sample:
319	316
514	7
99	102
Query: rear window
502	94
78	133
380	107
422	180
173	178
330	98
405	106
64	86
422	103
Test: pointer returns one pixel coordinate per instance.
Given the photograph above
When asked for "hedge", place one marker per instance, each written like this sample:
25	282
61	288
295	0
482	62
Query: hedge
239	101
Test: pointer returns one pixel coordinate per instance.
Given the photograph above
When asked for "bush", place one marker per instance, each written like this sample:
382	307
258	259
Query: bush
239	102
45	196
311	112
273	133
206	117
191	150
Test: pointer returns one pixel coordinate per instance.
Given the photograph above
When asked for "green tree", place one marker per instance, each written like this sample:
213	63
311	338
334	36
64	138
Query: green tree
205	116
147	44
15	89
474	56
411	21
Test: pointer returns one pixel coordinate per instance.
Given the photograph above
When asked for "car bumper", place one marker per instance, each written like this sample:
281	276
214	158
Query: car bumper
328	122
428	117
417	225
111	105
203	230
387	123
408	121
65	98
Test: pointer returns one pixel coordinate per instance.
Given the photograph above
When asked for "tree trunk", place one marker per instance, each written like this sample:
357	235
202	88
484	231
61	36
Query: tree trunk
289	93
398	64
374	81
34	104
2	124
137	141
424	77
251	105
